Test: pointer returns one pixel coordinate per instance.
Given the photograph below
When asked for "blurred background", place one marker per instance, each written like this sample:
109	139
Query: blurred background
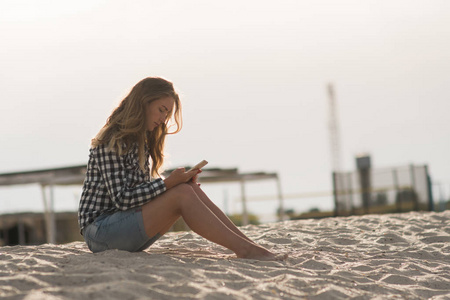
253	76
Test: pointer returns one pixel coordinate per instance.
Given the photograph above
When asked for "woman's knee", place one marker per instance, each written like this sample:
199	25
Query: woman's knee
186	194
184	190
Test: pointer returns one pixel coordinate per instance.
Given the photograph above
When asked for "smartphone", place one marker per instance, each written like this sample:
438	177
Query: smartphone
199	165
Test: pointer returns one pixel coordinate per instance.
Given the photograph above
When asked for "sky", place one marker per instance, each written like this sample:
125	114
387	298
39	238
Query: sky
252	76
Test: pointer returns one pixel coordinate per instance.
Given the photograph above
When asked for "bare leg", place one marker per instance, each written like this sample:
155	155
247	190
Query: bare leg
182	200
205	199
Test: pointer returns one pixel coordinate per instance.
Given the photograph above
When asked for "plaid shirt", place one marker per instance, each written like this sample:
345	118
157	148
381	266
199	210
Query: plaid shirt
114	183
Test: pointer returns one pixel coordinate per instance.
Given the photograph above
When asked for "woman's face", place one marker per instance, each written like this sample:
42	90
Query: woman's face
156	112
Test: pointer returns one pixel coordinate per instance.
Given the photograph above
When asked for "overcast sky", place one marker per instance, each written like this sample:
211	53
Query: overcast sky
252	75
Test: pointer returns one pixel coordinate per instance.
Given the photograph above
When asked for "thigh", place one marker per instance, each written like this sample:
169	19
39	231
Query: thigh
160	213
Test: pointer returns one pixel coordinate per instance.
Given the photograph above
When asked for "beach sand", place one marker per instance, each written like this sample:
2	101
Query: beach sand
395	256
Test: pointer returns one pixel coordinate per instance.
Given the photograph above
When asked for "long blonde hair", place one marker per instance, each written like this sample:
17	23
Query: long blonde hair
126	125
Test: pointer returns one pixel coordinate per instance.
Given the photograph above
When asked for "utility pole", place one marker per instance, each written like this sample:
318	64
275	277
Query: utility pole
333	126
341	201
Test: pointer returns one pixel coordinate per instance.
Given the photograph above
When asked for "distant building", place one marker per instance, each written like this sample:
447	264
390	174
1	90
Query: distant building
30	228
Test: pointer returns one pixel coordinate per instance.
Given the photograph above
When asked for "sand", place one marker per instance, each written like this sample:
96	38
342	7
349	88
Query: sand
396	256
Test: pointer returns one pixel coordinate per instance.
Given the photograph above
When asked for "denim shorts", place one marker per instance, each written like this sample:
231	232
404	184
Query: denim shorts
122	230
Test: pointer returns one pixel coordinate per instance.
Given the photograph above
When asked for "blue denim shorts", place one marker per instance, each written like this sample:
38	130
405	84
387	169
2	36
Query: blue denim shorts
123	230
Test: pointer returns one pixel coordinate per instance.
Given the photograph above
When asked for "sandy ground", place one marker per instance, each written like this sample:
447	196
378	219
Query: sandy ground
397	256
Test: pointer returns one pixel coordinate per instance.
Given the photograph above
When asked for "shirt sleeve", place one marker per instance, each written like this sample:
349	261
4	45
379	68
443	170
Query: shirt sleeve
122	182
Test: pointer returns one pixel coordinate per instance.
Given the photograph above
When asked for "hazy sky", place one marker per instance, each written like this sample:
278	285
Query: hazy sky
252	75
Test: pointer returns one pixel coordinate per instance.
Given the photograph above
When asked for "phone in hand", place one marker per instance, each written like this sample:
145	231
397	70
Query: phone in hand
199	165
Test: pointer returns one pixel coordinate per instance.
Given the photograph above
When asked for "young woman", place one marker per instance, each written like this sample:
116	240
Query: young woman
122	207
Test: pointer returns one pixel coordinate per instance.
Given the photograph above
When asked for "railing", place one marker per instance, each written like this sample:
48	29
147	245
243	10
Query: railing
388	190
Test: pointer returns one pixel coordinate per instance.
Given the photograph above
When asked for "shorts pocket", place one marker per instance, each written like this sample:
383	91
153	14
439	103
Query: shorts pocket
91	238
122	232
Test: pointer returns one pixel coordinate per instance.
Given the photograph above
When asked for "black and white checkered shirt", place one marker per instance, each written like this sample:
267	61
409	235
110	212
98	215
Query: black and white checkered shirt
114	183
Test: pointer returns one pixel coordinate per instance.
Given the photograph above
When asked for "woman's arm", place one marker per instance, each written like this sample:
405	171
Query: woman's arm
179	176
123	188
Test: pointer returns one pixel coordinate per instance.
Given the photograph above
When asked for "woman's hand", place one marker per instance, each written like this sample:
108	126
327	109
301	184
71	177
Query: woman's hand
180	176
195	178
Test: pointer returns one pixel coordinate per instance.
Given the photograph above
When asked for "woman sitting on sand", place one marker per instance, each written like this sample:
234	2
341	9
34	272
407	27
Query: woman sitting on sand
121	207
